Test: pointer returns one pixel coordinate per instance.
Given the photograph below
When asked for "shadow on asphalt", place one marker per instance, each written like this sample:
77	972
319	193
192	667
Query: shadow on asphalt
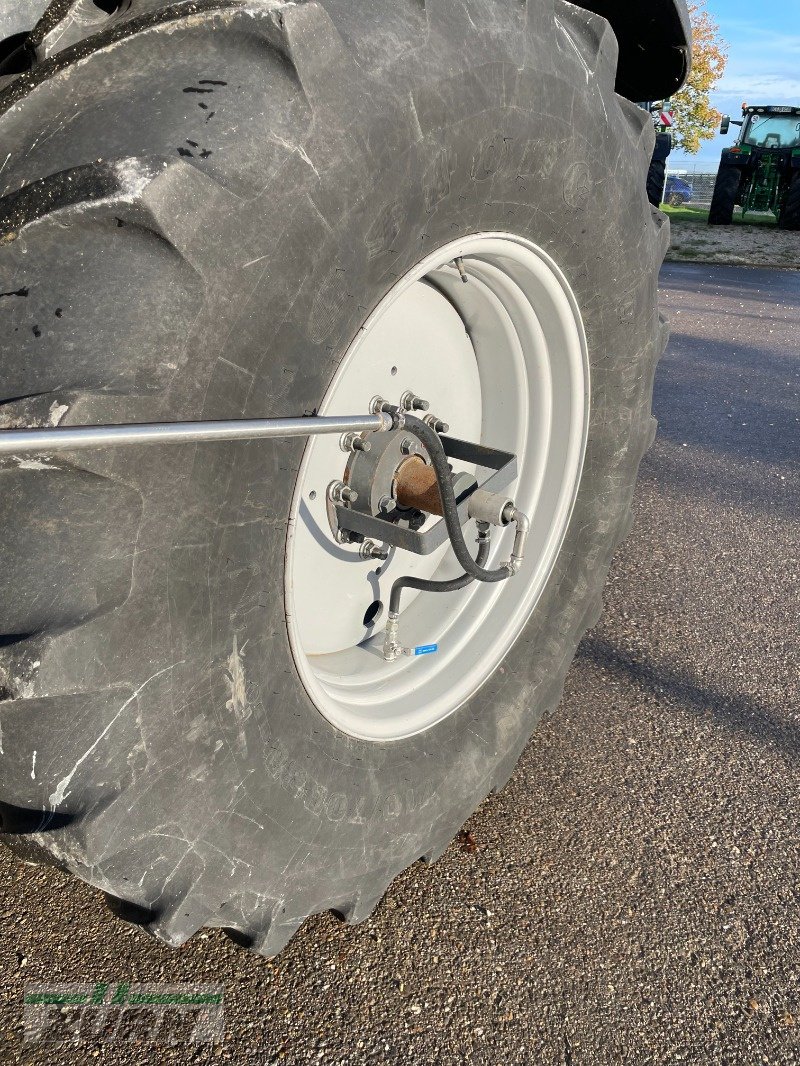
726	355
739	715
751	491
694	406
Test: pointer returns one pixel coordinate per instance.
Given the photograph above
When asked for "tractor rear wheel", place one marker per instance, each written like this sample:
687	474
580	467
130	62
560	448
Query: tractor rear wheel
239	210
723	200
656	178
789	217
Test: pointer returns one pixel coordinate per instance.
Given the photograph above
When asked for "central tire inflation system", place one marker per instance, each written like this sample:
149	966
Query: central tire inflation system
202	209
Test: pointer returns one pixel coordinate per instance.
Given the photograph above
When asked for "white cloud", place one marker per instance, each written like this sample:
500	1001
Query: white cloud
761	88
762	66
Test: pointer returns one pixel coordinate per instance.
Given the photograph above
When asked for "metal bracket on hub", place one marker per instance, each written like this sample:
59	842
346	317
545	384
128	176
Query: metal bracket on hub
362	525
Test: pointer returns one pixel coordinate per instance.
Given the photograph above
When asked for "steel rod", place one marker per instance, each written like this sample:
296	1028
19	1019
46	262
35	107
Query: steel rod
68	438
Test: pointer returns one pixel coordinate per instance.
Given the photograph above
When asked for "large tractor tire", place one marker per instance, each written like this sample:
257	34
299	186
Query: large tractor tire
789	217
723	200
656	180
217	210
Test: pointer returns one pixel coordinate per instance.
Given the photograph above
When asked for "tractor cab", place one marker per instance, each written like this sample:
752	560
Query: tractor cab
768	127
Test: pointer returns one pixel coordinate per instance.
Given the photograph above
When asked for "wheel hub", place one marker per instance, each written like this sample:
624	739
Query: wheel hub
374	476
388	480
503	358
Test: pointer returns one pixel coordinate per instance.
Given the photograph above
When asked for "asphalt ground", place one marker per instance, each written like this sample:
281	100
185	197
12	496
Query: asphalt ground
632	895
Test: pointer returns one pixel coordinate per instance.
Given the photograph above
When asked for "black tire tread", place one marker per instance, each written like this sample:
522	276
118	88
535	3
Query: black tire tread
723	199
790	212
656	177
269	926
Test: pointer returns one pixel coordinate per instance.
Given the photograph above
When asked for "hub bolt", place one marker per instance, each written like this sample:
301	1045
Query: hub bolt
409	401
371	550
378	405
408	446
386	503
436	424
341	493
354	442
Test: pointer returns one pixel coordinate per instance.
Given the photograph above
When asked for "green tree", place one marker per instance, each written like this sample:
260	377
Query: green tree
695	119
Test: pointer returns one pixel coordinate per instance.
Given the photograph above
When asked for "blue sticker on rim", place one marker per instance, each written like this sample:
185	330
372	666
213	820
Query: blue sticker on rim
426	649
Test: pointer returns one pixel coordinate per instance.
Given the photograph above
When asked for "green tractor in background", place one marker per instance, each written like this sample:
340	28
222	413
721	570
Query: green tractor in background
761	172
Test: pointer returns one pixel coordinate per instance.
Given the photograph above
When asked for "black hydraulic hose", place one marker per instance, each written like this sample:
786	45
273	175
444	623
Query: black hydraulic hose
436	451
435	586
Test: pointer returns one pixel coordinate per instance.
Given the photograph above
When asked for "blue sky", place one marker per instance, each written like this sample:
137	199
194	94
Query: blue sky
763	63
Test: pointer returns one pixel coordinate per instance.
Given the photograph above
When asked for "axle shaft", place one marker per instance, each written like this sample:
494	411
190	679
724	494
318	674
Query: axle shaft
69	438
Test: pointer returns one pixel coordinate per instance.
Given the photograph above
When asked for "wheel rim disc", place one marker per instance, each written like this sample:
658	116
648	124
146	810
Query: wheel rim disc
503	360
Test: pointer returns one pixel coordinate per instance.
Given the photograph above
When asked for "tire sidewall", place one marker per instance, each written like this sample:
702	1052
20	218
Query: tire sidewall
518	170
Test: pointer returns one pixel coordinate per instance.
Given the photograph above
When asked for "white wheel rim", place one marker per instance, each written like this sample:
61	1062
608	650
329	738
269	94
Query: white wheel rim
516	378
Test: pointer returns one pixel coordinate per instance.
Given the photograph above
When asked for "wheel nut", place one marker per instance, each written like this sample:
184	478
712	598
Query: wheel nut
354	442
371	550
408	446
409	401
436	424
386	503
341	493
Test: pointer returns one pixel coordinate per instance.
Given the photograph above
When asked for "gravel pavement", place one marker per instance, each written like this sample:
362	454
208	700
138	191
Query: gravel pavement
741	243
632	895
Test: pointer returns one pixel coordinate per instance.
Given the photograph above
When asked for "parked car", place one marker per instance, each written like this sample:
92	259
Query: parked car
677	191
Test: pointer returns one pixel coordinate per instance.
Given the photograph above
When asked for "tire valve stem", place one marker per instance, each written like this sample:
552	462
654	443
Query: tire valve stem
459	262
